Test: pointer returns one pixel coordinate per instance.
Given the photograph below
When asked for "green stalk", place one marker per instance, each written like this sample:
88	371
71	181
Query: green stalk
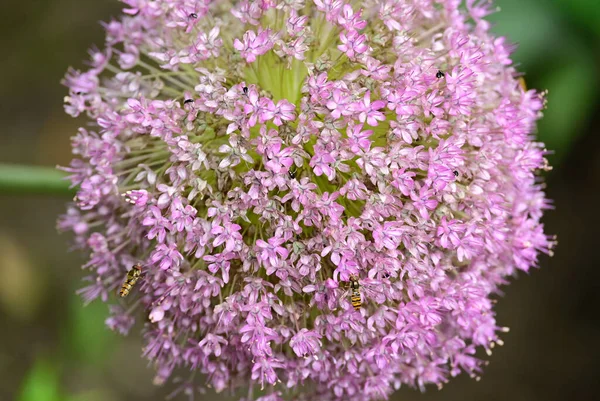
16	179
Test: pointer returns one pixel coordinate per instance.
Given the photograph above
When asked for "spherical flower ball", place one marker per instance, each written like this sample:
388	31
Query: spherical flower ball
324	196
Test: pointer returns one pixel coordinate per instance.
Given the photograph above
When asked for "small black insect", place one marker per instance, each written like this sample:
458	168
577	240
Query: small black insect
455	173
186	101
193	15
245	89
439	74
292	173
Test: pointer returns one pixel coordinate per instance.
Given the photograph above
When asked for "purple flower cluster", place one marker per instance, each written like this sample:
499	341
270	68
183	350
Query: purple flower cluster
254	155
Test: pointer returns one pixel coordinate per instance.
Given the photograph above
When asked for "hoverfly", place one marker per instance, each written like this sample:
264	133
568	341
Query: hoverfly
132	277
355	297
522	84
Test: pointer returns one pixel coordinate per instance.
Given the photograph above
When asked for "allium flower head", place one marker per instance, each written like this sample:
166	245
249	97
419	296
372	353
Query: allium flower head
254	155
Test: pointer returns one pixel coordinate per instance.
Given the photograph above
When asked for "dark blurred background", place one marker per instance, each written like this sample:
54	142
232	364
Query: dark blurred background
53	349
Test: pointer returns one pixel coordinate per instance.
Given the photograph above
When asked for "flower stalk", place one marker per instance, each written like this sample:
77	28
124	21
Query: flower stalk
22	179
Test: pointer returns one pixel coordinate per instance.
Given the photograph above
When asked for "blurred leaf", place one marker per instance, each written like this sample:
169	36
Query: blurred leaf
53	145
41	383
21	287
572	89
516	20
558	59
89	339
128	369
32	179
586	12
93	395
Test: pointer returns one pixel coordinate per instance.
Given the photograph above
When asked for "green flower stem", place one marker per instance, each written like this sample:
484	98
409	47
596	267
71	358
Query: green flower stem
16	179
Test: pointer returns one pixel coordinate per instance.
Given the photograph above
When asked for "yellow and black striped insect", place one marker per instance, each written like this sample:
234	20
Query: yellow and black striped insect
132	277
355	297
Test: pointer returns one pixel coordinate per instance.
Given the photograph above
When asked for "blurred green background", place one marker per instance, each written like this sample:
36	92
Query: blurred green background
52	348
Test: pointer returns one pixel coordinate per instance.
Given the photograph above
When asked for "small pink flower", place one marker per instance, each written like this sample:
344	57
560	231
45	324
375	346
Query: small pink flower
349	20
137	197
322	162
338	104
353	44
279	160
284	111
167	257
423	201
253	44
296	23
388	235
271	251
305	342
368	111
227	234
156	315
